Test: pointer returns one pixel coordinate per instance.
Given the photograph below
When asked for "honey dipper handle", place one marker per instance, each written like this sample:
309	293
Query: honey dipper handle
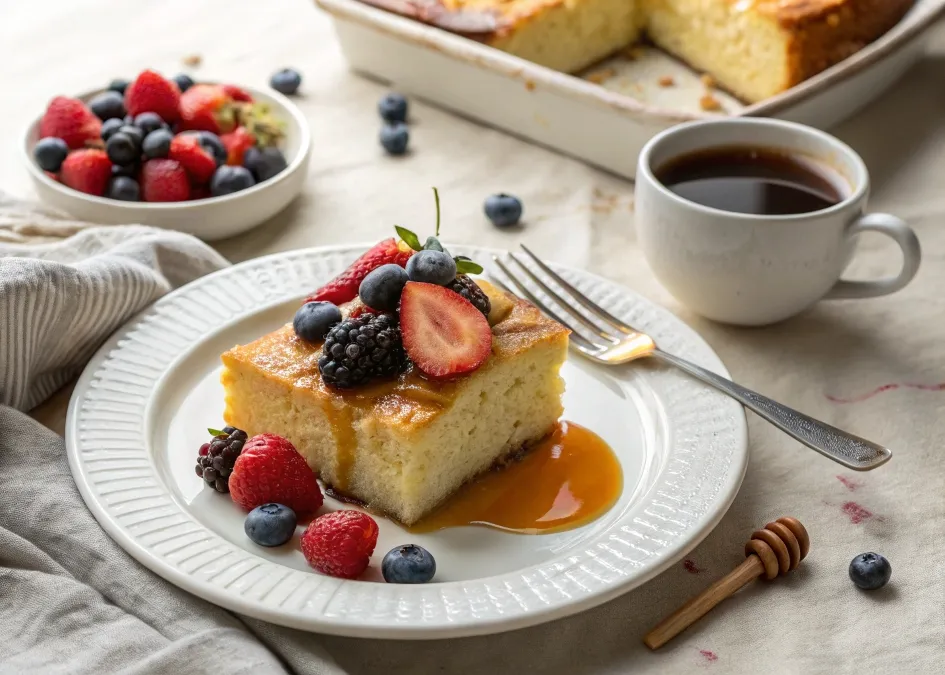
697	607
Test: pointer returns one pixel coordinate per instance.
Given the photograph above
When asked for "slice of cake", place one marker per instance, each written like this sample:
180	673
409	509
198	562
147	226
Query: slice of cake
759	48
564	35
403	445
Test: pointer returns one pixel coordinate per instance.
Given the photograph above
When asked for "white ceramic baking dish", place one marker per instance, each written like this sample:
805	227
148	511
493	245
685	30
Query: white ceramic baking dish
605	124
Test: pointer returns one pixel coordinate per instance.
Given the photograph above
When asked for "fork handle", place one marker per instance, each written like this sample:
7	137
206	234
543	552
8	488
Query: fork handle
851	451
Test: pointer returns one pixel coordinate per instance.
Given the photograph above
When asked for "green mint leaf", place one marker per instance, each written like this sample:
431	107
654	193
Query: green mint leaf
436	198
412	240
466	266
216	432
433	244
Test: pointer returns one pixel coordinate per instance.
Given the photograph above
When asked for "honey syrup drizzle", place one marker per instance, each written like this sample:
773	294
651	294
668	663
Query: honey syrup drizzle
569	479
341	420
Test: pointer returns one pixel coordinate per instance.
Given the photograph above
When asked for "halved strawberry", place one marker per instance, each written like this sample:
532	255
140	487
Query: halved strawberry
187	149
444	334
344	287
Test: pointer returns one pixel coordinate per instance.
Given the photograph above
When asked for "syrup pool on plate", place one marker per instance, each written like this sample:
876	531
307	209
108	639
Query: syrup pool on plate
567	480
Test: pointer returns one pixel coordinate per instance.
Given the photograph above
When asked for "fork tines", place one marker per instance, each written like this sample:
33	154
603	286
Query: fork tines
595	321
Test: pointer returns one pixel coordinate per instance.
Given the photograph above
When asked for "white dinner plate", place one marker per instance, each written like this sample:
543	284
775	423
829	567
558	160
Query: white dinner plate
141	409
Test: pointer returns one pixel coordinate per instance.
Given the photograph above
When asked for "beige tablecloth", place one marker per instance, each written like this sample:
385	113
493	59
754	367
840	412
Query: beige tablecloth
876	367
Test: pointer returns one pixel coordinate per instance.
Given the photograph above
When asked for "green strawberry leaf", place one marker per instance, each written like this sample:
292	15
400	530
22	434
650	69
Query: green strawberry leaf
412	240
216	432
466	266
436	198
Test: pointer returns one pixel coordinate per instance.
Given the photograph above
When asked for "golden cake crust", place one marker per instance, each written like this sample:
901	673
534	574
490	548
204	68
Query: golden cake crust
816	33
411	401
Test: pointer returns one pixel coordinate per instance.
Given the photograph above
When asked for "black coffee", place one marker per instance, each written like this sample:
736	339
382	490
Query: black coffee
751	180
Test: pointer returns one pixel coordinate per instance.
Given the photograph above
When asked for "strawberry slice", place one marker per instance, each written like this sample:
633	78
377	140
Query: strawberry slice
344	287
444	334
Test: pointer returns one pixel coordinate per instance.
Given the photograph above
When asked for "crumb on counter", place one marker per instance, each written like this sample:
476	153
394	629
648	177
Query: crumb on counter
708	102
707	81
600	76
633	52
192	60
666	81
529	85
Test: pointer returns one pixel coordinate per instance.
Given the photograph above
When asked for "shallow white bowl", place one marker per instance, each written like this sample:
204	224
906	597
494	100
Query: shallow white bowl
210	219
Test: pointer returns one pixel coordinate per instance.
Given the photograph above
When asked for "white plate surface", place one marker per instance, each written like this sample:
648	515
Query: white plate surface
142	406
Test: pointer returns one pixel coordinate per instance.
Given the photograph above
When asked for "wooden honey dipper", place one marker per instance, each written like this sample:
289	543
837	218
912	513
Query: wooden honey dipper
773	551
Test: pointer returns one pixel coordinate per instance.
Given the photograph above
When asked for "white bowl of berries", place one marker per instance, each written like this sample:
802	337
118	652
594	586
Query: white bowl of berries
209	159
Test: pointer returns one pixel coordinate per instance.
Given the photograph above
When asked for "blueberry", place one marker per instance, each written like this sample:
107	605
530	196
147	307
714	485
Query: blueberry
503	210
122	149
410	564
870	571
264	162
432	267
49	153
119	85
270	524
313	320
129	119
229	179
130	170
108	105
393	108
157	143
286	81
381	288
148	122
111	126
184	82
210	142
124	188
134	133
394	138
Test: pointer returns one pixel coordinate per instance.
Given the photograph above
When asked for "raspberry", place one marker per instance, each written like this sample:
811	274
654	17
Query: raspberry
360	349
215	459
270	469
469	289
341	543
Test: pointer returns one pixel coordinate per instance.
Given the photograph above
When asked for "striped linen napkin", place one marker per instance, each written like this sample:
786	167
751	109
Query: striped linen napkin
66	286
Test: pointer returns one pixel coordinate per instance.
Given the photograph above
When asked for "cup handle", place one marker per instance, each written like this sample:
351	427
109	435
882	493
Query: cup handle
902	234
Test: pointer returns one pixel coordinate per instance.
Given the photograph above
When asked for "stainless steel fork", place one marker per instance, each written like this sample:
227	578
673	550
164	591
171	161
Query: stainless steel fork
601	337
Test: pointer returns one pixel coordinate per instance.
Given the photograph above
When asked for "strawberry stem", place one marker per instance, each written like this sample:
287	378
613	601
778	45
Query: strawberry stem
436	198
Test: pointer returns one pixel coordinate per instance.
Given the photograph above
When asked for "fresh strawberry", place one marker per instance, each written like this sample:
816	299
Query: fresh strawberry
164	180
344	287
207	107
340	543
270	469
52	176
444	334
71	120
87	170
237	93
152	93
236	143
197	160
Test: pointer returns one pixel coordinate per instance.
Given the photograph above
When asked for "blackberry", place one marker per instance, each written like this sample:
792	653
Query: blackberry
470	290
215	459
361	349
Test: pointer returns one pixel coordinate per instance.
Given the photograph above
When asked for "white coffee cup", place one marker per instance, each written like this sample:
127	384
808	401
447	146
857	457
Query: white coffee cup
754	270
